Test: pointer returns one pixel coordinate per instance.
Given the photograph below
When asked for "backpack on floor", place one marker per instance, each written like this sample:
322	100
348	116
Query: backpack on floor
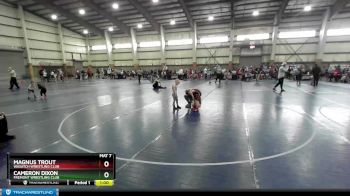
343	78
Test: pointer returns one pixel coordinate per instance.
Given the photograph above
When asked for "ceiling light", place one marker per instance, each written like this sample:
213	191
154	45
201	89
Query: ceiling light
139	26
211	18
81	11
85	31
307	8
110	29
172	22
54	17
155	1
256	13
115	6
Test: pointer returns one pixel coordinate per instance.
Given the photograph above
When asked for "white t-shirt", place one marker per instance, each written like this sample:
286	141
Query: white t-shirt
282	72
13	73
218	70
31	86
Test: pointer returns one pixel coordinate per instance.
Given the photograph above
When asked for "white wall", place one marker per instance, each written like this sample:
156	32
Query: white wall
337	49
45	47
43	37
291	50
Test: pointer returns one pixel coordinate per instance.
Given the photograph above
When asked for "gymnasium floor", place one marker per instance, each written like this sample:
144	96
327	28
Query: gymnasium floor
244	137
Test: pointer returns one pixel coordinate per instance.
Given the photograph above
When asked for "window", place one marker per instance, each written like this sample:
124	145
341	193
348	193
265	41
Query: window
121	46
338	32
261	36
214	39
149	44
297	34
180	42
99	47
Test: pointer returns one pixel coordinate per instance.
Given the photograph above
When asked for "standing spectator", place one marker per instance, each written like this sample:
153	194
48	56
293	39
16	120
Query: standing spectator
257	73
13	80
45	76
234	74
77	74
89	73
105	75
218	71
298	75
52	75
98	73
281	75
41	75
3	126
205	71
82	74
122	73
61	74
133	74
316	70
113	74
139	74
181	74
109	71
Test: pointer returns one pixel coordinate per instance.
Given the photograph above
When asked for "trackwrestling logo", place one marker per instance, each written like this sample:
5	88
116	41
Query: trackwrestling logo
29	192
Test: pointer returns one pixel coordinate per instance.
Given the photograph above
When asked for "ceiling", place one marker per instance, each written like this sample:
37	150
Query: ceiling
100	15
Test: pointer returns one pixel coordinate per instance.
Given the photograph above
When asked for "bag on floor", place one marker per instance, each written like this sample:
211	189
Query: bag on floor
343	78
3	125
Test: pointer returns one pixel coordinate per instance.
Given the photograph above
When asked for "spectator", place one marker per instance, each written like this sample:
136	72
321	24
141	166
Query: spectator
281	75
316	70
13	80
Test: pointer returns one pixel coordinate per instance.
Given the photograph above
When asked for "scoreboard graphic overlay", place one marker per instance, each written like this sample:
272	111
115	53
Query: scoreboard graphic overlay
61	169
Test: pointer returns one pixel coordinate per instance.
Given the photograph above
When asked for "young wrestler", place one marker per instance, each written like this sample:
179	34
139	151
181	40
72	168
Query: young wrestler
175	98
193	98
42	91
157	86
31	88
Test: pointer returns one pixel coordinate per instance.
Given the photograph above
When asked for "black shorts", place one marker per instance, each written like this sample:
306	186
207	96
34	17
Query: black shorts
42	92
219	76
